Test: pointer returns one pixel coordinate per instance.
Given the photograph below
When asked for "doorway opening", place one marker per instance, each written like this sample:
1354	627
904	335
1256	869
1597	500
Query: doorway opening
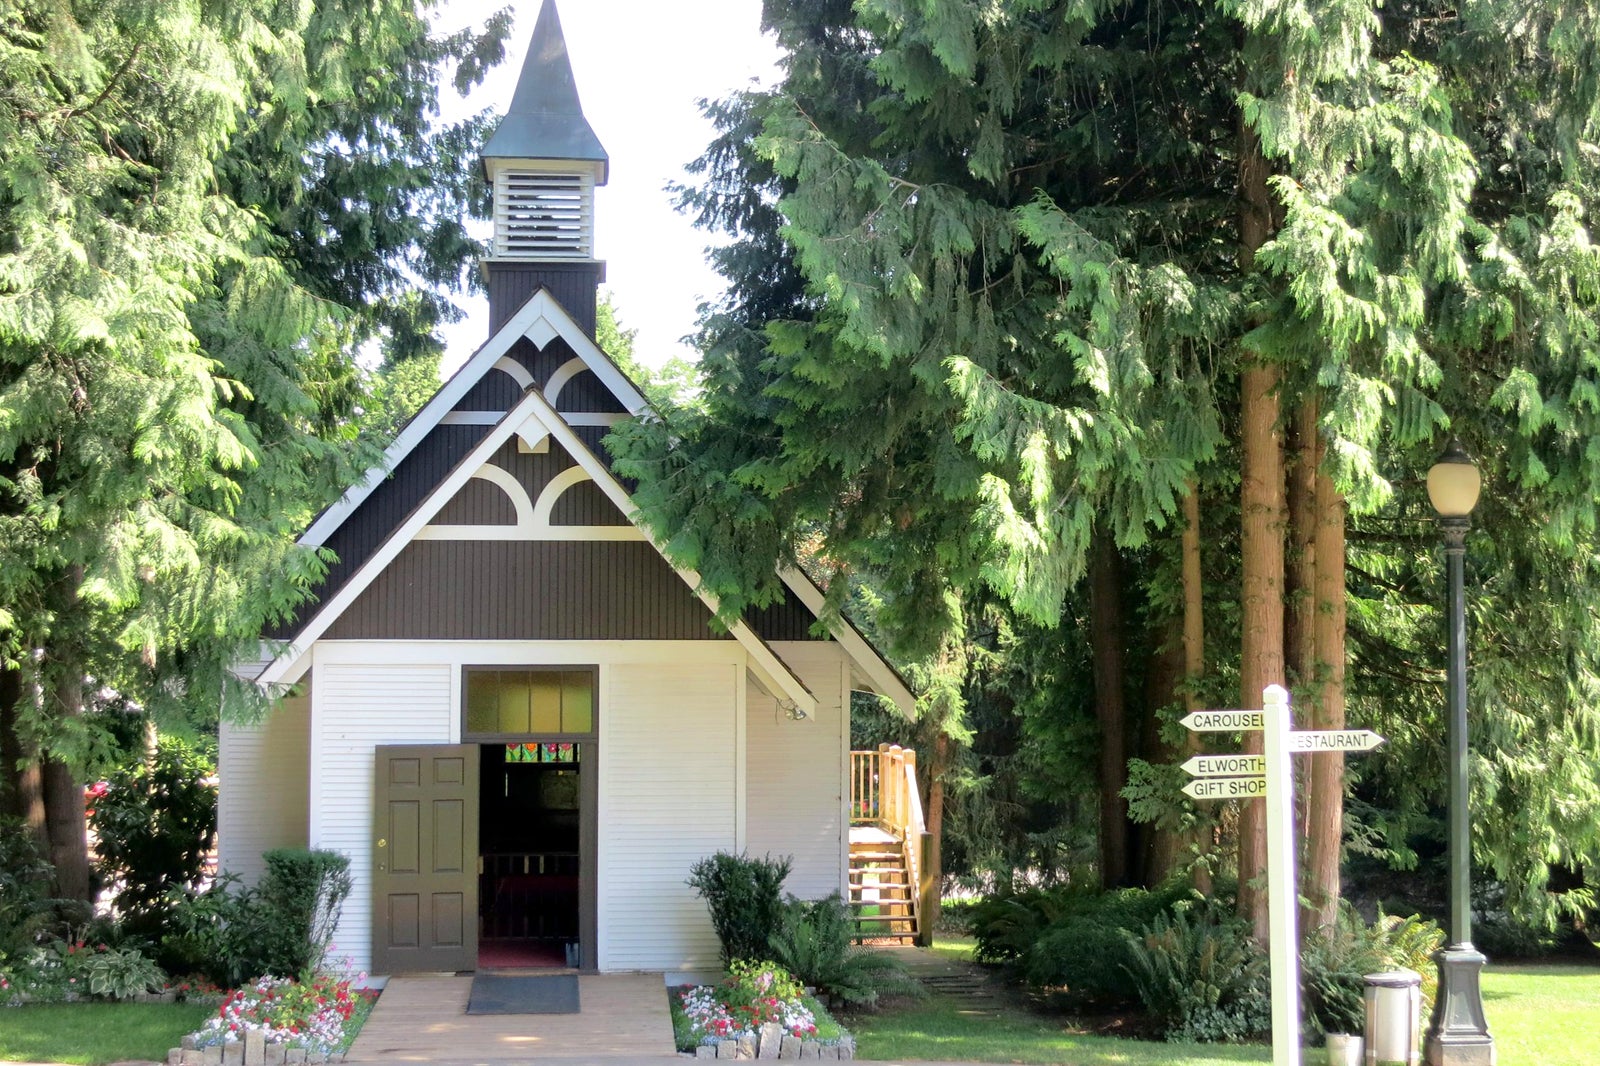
531	854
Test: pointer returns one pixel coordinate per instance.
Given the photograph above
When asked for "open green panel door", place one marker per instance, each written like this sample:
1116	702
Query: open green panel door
425	859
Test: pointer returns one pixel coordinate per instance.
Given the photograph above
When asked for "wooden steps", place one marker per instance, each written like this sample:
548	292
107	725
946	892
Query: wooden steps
883	899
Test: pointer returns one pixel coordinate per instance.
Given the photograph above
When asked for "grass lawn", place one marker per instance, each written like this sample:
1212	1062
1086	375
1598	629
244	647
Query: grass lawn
90	1034
1540	1015
1546	1014
94	1033
936	1030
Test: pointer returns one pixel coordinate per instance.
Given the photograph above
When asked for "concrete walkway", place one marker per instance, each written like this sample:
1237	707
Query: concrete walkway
424	1019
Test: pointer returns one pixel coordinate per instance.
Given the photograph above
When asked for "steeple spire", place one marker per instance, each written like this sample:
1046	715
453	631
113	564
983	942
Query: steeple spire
545	119
543	163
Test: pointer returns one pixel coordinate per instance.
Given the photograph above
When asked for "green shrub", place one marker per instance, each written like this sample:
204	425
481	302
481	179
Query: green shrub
220	932
59	970
1083	957
1334	965
25	876
1007	924
1200	976
155	823
812	942
1070	940
745	896
301	896
282	928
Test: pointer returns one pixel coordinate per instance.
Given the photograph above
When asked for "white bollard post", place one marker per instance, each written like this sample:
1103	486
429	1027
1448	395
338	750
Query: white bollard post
1283	888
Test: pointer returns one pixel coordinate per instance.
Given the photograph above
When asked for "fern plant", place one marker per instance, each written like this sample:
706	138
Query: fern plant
812	941
1335	963
1200	977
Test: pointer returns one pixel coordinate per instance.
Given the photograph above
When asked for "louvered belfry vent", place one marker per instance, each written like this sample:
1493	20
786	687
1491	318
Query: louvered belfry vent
543	215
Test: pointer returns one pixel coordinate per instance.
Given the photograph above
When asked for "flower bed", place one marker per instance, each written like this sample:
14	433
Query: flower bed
321	1016
756	996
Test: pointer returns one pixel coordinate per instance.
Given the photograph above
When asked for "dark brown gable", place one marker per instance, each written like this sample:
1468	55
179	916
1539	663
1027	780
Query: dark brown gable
526	590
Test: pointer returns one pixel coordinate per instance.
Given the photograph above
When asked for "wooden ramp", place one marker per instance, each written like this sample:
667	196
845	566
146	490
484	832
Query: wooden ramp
424	1019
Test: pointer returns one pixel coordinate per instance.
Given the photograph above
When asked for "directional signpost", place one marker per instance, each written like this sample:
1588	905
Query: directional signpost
1334	740
1271	777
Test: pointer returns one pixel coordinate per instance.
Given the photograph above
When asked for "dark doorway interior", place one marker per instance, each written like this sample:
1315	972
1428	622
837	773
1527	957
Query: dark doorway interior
530	803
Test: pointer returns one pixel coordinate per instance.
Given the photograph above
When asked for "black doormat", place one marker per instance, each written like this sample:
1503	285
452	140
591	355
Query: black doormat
555	993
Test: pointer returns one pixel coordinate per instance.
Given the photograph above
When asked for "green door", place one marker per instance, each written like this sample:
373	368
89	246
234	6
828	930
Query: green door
425	859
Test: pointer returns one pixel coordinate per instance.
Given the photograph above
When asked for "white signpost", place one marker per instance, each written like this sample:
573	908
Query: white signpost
1271	777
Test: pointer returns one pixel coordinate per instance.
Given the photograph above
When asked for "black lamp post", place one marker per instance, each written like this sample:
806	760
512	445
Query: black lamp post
1458	1034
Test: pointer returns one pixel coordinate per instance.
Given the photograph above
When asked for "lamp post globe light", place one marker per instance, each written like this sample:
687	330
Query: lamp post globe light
1458	1034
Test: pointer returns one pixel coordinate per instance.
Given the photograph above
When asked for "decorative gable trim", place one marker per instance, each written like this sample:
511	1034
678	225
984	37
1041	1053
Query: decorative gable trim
541	319
533	517
532	410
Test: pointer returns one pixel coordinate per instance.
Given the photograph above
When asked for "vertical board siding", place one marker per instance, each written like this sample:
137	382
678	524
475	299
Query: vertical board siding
479	503
526	590
786	620
667	801
586	393
495	391
263	776
794	788
512	282
354	709
586	504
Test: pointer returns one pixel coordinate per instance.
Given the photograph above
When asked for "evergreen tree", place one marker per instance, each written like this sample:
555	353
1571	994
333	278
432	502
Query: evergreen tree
176	365
1012	273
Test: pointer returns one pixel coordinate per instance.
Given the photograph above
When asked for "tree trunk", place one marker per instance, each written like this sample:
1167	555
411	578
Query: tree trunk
1299	629
1105	613
1325	803
1160	845
21	787
1261	529
1194	659
63	799
933	817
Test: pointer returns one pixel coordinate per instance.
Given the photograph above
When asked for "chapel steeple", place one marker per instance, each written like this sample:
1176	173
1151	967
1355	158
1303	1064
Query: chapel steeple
543	163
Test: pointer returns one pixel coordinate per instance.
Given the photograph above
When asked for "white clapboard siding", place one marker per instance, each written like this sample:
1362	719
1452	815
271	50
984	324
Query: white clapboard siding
354	709
262	776
794	780
668	782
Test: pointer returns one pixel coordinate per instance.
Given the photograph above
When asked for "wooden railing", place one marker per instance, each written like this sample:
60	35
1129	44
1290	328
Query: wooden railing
883	794
883	789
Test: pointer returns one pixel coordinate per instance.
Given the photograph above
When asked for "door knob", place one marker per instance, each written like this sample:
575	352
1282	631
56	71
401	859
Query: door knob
382	843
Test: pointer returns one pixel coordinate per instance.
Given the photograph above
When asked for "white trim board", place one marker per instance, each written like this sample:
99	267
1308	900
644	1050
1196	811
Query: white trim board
886	681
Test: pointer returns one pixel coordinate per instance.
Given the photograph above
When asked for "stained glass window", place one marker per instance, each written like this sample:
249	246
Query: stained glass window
523	701
542	753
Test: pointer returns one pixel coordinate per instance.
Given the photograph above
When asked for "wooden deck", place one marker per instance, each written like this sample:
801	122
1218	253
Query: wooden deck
424	1019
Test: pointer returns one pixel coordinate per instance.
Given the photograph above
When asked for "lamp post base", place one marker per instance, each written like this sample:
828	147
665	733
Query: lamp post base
1458	1034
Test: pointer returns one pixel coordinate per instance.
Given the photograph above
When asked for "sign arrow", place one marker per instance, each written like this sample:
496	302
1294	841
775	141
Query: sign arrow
1225	765
1221	721
1334	740
1225	788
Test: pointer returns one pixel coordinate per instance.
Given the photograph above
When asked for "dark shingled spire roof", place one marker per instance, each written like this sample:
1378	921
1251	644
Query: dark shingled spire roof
545	119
